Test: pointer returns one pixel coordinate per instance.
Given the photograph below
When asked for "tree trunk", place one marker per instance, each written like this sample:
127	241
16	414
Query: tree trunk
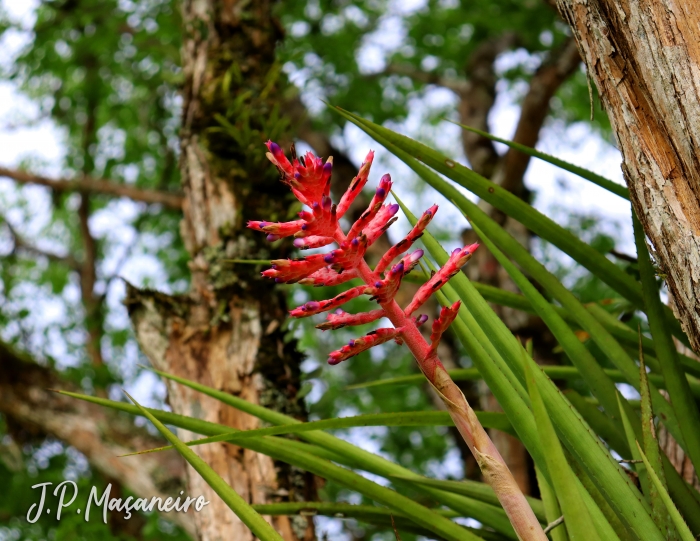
644	57
227	332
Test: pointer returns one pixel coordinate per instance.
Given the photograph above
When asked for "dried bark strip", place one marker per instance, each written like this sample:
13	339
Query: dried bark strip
644	57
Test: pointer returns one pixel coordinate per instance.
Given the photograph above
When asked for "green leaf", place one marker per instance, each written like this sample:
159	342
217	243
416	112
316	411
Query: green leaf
601	424
488	419
566	373
410	151
551	507
476	490
257	524
356	456
515	408
681	398
676	517
651	450
612	349
600	384
282	450
595	178
628	423
576	518
366	513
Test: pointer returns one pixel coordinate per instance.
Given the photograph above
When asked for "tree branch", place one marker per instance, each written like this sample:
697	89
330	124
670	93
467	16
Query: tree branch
96	186
429	78
535	108
32	411
476	101
22	245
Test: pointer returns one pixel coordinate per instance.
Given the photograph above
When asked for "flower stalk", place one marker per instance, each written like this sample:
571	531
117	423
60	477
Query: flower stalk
309	179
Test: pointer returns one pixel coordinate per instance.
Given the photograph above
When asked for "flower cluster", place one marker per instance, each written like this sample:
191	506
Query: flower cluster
309	179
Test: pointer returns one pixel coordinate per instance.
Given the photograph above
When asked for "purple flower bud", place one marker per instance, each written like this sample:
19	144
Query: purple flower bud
262	224
272	238
381	192
273	266
415	256
278	280
297	175
339	312
312	305
377	284
351	343
393	209
355	242
327	168
456	251
299	243
328	258
275	149
304	227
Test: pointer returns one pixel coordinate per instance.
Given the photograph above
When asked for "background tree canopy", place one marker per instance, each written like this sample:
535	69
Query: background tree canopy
90	198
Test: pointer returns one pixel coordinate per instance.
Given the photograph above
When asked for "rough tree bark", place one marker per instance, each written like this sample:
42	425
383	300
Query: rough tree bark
227	332
644	57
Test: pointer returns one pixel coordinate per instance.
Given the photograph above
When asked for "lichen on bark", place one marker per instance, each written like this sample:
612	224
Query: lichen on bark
227	331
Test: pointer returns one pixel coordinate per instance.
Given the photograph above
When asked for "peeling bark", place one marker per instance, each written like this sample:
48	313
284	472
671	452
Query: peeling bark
227	332
644	58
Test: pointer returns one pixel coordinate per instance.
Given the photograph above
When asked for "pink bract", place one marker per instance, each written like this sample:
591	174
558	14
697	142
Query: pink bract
309	180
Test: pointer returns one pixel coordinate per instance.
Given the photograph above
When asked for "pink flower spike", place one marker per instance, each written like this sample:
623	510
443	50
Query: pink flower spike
309	178
278	229
407	242
340	319
276	156
411	260
312	242
356	185
312	308
322	221
359	345
440	325
379	196
349	255
381	222
457	259
385	290
293	270
328	277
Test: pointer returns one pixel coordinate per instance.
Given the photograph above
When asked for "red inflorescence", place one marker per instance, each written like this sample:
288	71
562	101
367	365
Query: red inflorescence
309	179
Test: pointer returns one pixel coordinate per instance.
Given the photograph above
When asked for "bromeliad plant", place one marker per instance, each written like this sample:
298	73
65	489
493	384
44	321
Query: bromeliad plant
575	442
309	179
